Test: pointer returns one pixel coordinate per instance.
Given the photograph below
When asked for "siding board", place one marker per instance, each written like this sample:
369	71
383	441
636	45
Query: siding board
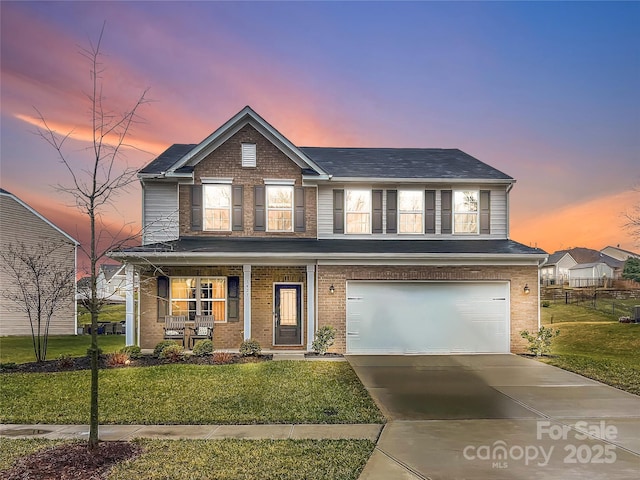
160	212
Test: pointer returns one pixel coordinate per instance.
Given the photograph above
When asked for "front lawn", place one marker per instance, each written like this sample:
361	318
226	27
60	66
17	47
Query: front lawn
266	392
228	459
592	345
20	349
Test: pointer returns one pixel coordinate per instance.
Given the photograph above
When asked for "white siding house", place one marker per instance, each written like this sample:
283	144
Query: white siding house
590	275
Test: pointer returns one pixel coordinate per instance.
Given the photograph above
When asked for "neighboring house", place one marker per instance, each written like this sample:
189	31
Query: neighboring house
399	249
618	253
597	274
22	225
110	284
556	270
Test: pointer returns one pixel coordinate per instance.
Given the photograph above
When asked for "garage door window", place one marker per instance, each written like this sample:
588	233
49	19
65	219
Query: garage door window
465	211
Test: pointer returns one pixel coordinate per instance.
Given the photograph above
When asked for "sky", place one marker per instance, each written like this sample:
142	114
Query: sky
546	92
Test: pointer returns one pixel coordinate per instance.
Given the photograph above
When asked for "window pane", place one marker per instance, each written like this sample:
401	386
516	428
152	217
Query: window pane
217	196
358	223
465	201
219	311
410	223
183	288
465	223
280	220
410	201
358	201
184	308
215	219
279	197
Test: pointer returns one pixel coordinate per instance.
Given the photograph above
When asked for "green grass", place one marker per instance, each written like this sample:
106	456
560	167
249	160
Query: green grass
11	450
592	345
267	392
228	459
108	313
20	349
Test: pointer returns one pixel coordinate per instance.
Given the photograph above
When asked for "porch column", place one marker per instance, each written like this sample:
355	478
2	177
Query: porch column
311	304
129	303
246	275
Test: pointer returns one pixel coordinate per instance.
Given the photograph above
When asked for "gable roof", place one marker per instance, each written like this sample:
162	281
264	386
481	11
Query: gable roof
402	163
168	158
555	257
588	256
41	217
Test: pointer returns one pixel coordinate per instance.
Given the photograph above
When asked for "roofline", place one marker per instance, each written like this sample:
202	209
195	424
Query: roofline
239	119
504	181
41	217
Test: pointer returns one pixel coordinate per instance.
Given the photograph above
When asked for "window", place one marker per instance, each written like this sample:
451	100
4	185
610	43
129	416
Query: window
358	211
217	207
191	296
410	208
465	211
248	154
279	208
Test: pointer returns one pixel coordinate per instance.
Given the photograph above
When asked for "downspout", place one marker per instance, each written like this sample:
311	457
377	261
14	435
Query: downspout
540	265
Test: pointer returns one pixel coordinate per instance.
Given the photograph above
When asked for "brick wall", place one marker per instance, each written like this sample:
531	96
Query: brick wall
225	162
332	308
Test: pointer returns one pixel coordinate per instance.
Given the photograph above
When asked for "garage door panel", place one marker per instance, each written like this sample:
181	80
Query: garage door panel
427	317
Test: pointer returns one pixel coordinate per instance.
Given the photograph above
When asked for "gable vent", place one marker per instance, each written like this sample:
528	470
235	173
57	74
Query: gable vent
248	154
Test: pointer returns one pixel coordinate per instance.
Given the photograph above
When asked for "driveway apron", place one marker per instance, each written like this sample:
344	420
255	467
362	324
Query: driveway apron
497	417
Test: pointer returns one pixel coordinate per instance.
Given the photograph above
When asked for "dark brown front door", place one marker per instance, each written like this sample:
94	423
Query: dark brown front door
288	314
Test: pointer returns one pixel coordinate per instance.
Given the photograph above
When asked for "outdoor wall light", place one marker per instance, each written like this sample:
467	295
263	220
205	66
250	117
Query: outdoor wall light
332	289
527	290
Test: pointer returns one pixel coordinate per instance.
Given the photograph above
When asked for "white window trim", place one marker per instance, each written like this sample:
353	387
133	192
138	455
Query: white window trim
400	212
199	298
279	182
346	211
204	208
220	180
454	212
267	209
248	161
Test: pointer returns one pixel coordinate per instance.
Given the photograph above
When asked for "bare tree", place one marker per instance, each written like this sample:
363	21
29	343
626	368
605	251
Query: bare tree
40	286
93	187
633	219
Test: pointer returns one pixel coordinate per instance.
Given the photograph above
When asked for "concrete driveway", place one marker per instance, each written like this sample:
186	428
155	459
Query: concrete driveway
497	417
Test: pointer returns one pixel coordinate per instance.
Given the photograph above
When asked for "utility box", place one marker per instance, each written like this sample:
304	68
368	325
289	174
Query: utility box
636	314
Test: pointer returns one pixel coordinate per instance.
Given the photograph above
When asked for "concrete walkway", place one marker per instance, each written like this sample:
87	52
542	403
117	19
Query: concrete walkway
192	432
498	417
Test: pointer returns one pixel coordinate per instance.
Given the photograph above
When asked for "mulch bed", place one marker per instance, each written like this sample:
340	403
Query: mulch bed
72	462
84	363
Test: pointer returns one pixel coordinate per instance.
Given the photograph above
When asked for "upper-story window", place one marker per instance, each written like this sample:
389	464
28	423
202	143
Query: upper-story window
279	208
358	211
248	154
217	207
465	211
410	211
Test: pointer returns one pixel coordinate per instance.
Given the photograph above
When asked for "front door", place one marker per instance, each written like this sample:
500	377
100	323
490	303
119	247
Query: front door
288	314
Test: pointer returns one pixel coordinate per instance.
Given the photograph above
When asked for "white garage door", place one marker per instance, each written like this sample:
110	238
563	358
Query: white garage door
427	317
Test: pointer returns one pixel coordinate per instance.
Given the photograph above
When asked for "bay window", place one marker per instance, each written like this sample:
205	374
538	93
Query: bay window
465	211
191	296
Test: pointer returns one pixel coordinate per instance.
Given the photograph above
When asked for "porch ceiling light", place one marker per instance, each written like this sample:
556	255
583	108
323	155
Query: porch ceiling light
527	290
332	289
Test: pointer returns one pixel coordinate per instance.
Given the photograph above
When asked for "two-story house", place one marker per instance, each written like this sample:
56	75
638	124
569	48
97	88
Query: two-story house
400	249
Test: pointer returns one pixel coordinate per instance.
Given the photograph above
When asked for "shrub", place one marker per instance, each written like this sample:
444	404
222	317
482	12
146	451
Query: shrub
118	358
133	351
546	303
324	339
202	348
162	345
173	353
540	342
221	358
65	361
250	347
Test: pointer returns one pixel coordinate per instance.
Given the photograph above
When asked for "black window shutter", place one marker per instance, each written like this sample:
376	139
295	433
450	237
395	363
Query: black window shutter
392	211
298	212
163	297
259	210
338	211
446	211
237	217
430	211
485	211
376	202
233	299
196	207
